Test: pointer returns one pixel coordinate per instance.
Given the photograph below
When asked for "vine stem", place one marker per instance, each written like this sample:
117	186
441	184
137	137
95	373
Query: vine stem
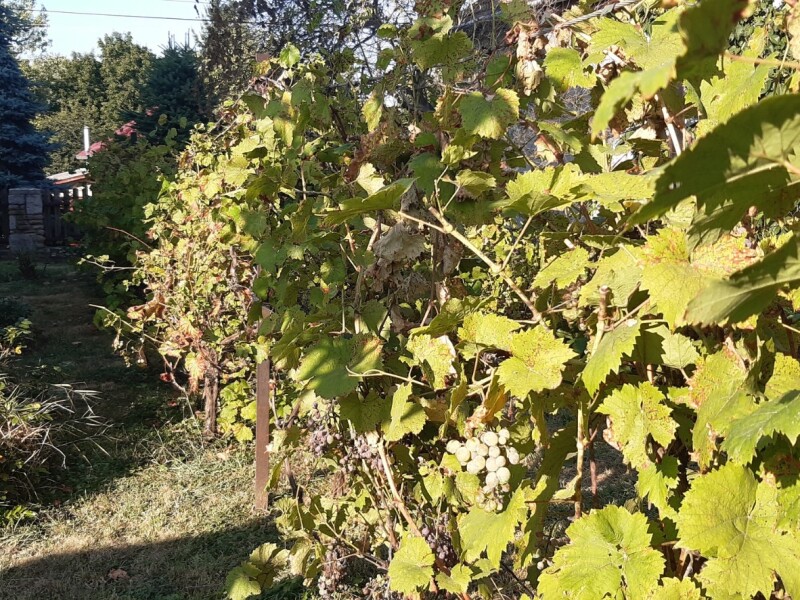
789	64
668	120
581	443
494	268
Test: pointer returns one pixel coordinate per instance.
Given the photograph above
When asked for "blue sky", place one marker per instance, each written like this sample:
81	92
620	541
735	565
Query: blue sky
79	33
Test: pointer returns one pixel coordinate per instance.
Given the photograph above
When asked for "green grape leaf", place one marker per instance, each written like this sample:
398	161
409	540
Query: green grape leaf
744	164
475	183
537	362
563	66
372	111
667	275
565	270
457	582
435	356
453	312
785	376
657	482
474	526
441	49
675	589
427	169
365	414
327	366
620	272
482	330
612	189
705	29
289	56
489	118
405	416
732	520
411	568
749	291
781	415
241	583
719	395
607	358
369	179
536	191
609	555
386	198
678	351
638	413
739	86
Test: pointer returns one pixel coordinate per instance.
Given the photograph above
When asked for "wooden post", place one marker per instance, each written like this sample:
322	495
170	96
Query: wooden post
262	435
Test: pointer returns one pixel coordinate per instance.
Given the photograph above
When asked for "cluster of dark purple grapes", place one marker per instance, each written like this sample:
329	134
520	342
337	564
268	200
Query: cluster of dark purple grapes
377	588
439	539
323	429
334	569
360	449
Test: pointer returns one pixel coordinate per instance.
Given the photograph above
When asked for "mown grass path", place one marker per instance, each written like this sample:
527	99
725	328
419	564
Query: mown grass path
154	512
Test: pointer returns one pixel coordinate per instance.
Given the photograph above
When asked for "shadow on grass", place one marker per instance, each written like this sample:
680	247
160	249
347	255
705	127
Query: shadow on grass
190	568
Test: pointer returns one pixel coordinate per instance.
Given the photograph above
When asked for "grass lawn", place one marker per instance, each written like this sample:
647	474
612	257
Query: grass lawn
151	511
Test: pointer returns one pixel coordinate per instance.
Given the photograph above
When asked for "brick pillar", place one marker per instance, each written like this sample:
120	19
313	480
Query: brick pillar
26	220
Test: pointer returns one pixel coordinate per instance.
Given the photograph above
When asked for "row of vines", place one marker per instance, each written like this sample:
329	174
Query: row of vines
529	237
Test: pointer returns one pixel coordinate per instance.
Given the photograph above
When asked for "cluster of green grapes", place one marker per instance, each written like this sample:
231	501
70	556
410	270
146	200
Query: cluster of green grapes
490	454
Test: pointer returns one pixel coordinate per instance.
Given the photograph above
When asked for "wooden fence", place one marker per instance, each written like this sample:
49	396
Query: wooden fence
56	204
5	226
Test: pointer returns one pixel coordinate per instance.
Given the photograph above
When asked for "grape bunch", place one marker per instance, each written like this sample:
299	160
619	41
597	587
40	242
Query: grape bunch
359	450
377	588
439	540
333	572
491	455
324	432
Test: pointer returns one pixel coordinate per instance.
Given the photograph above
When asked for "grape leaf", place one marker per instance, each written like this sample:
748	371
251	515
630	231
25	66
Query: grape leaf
620	272
743	165
435	356
427	169
241	583
564	270
781	415
607	358
475	182
489	118
637	414
719	395
678	351
785	376
411	568
563	66
739	86
457	581
482	330
372	111
536	191
656	482
609	555
473	528
388	197
537	361
441	49
365	414
732	520
667	275
611	189
405	416
675	589
748	291
326	365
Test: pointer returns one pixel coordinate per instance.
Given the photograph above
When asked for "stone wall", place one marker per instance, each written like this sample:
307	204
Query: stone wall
26	220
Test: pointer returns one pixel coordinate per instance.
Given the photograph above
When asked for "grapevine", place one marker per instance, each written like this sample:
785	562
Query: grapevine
505	254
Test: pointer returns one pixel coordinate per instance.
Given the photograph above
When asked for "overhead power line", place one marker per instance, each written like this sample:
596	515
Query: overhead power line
121	16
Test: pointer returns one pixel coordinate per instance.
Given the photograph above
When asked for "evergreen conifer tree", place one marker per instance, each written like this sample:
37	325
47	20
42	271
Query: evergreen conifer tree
23	150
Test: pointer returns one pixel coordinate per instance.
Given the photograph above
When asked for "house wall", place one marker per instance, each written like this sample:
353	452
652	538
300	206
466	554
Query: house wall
26	220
